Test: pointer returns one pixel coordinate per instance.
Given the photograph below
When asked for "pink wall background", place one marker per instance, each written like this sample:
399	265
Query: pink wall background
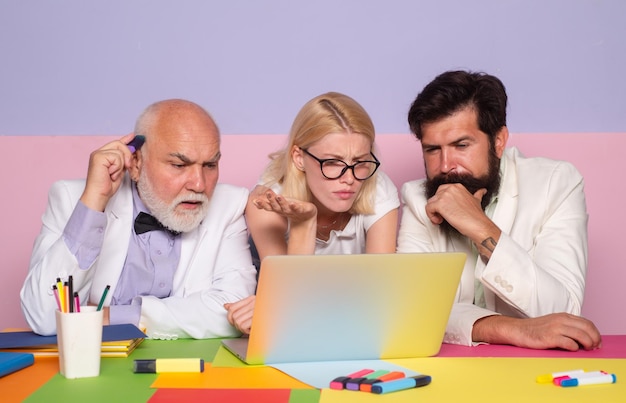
32	163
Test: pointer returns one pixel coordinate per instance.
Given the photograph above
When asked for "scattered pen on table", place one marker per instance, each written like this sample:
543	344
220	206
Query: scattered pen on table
340	382
596	378
549	378
366	386
578	377
355	383
161	365
401	384
104	295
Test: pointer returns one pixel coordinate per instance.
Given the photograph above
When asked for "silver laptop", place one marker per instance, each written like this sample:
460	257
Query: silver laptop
350	307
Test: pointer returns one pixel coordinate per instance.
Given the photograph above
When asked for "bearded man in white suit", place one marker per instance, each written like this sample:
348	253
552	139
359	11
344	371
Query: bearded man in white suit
171	277
521	221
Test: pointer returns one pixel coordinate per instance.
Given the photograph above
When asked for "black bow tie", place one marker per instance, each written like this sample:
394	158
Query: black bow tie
145	222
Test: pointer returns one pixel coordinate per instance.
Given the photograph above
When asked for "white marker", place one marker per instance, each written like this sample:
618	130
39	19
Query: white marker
595	379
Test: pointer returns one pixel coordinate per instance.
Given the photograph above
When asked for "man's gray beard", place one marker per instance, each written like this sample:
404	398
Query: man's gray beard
185	221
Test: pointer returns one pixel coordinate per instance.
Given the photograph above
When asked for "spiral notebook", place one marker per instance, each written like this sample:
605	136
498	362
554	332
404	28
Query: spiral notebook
350	307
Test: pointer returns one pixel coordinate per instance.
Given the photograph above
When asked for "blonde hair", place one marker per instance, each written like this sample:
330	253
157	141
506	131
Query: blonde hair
325	114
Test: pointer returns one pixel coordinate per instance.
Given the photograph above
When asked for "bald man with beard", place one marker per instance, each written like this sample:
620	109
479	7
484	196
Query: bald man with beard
154	225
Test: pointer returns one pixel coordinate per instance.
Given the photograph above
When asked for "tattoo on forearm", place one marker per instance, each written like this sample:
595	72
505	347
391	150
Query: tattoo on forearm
489	244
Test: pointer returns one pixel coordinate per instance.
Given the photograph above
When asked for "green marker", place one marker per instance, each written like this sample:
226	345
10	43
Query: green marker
104	295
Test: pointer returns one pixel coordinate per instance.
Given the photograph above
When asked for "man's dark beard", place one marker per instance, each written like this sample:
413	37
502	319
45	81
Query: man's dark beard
490	181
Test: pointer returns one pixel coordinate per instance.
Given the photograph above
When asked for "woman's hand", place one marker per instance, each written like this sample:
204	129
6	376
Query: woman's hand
296	211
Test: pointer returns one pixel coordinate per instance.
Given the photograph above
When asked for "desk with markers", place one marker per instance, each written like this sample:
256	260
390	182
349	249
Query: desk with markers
481	374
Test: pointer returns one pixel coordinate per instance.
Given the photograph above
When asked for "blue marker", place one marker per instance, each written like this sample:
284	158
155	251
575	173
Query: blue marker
136	143
401	384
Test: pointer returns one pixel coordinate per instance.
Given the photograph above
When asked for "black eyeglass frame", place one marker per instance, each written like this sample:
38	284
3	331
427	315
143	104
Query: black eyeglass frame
346	167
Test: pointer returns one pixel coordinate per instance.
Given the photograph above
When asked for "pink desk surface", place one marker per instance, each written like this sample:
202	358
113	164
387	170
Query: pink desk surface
612	347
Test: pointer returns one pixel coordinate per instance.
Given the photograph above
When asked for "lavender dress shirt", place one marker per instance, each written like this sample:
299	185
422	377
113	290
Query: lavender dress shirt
150	263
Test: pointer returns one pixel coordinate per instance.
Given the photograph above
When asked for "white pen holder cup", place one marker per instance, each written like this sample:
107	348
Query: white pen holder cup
79	337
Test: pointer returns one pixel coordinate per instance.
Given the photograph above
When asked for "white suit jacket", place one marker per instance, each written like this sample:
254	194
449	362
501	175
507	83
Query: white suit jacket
215	265
540	262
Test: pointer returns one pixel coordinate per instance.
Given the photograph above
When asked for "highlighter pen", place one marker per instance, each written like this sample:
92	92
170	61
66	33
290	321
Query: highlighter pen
104	296
66	297
136	143
60	291
355	383
549	378
401	384
161	365
557	381
340	382
596	379
366	386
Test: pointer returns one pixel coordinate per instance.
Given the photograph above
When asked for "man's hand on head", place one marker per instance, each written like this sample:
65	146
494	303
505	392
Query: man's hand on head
107	166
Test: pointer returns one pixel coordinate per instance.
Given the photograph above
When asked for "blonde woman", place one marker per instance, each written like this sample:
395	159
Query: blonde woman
323	193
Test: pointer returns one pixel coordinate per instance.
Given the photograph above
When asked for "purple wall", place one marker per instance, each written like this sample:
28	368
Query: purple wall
85	67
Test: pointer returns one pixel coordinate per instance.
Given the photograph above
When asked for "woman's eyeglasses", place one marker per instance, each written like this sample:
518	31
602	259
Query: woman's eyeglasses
333	168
